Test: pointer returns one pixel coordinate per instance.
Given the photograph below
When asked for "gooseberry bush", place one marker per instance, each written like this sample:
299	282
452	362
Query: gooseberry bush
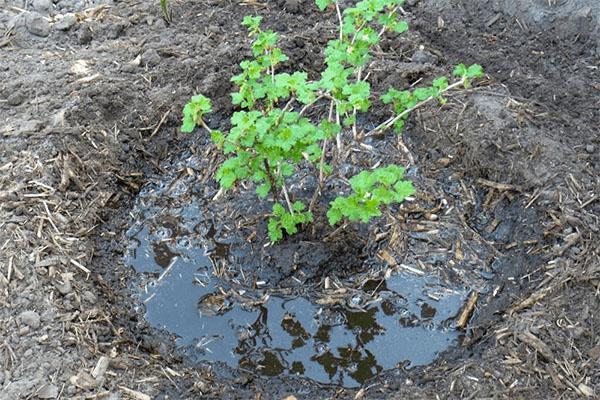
274	134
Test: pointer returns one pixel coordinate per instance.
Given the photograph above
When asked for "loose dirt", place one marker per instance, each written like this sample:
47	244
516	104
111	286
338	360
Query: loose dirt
90	100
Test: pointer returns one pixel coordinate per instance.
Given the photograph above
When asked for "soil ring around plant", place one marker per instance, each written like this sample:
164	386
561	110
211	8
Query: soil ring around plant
78	146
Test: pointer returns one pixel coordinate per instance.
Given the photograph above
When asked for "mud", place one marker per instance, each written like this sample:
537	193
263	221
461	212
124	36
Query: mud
342	337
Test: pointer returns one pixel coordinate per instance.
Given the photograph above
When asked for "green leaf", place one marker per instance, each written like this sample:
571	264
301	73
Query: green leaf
349	120
391	95
322	4
460	70
217	137
274	230
278	210
288	222
383	195
474	71
422	94
193	112
298	206
263	190
401	27
358	94
403	190
362	182
227	180
440	83
371	190
334	214
287	169
188	124
399	126
252	23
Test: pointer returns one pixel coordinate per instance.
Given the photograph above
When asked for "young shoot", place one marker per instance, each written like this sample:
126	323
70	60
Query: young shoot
272	136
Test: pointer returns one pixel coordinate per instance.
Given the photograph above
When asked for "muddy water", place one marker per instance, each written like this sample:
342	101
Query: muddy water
343	338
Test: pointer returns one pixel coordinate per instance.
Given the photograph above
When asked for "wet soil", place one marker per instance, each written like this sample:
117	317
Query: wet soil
90	110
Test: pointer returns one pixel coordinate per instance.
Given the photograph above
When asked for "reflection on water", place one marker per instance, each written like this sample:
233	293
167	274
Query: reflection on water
345	343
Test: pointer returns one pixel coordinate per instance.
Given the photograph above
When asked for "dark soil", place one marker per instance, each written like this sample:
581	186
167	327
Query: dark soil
90	106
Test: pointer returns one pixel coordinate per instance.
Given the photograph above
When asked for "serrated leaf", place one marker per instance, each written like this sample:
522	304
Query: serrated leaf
287	169
263	190
349	120
391	95
334	215
188	124
474	71
217	137
362	182
460	70
401	27
298	206
422	94
383	195
227	180
274	230
440	83
278	210
403	190
322	4
288	223
252	23
399	126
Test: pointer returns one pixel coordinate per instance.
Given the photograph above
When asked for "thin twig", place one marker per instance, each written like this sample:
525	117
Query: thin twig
340	20
287	198
392	120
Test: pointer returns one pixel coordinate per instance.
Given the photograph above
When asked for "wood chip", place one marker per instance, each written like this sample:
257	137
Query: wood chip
537	344
467	310
81	267
100	368
388	258
134	394
499	186
413	270
586	390
528	302
458	253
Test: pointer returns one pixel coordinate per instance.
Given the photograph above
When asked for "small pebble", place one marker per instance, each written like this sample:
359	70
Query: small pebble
66	22
43	6
590	148
292	6
423	57
116	30
48	392
85	35
150	58
65	288
37	25
89	297
14	99
71	390
31	319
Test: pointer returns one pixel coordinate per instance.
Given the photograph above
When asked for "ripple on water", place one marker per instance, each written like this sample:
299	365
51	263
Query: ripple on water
344	343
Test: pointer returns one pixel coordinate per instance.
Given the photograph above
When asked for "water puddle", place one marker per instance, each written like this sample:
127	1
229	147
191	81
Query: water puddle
342	337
